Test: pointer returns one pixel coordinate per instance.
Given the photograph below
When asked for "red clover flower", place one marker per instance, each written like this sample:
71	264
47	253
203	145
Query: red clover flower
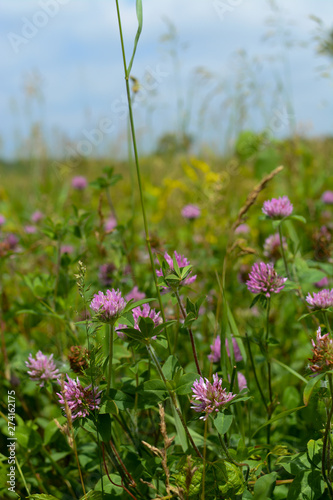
80	399
209	397
135	294
42	368
264	279
323	283
215	354
242	229
106	273
277	208
191	212
110	224
321	300
30	229
66	249
141	312
322	359
327	197
79	182
108	307
182	262
37	216
145	312
272	249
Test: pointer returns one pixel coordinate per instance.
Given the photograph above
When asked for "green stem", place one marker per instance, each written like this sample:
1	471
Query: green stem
22	476
269	380
137	165
325	458
173	399
255	372
326	321
91	367
283	252
268	362
233	376
2	332
110	374
226	451
267	322
57	276
190	333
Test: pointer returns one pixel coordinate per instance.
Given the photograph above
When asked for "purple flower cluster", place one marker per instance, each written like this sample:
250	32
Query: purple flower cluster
110	224
182	262
322	359
277	208
272	248
321	300
30	229
264	279
215	357
242	229
11	241
323	283
106	273
242	382
108	307
145	312
79	182
42	368
215	354
37	216
2	220
80	399
141	312
66	249
327	197
209	397
135	294
191	212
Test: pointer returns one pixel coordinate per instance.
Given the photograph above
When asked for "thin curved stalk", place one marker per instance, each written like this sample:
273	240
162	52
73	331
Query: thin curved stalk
269	381
325	457
229	457
190	333
283	252
110	357
138	172
255	372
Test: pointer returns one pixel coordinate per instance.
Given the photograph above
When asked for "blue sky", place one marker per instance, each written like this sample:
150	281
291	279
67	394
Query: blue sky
72	48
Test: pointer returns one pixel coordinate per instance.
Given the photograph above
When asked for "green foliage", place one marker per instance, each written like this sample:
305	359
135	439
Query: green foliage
146	427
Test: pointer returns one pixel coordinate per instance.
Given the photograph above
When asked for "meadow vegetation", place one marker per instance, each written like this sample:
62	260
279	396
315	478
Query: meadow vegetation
197	366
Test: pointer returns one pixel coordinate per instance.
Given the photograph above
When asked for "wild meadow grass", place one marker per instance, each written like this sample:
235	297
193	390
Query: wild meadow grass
166	323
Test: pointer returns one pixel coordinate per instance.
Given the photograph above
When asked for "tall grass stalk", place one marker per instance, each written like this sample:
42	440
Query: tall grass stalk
2	332
110	377
283	252
190	333
326	467
82	292
138	172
